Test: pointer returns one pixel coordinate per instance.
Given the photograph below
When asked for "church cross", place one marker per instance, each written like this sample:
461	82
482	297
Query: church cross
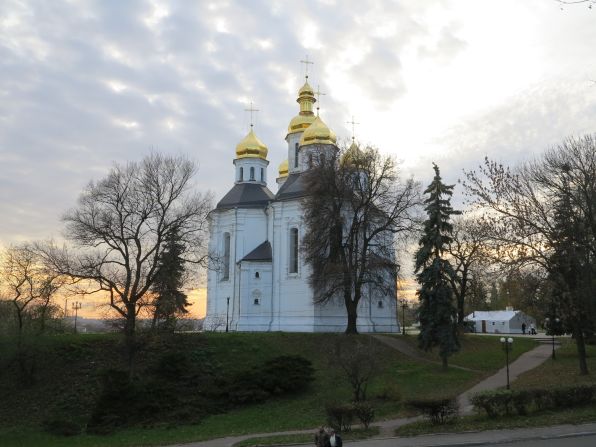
353	123
319	93
251	110
306	63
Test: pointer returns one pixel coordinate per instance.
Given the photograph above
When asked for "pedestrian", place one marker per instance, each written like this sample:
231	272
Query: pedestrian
321	438
532	329
334	439
524	328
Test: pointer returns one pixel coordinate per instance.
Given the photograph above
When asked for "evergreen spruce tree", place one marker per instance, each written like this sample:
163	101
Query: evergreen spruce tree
437	311
169	280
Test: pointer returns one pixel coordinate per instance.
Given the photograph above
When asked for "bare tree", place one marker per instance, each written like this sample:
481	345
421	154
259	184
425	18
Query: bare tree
467	251
355	208
119	227
542	216
27	283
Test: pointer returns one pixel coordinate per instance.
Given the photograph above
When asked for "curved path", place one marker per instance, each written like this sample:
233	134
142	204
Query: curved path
525	362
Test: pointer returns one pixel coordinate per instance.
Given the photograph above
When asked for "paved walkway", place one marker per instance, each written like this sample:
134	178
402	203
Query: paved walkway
527	361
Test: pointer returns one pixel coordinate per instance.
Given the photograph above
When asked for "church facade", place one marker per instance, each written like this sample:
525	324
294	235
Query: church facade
257	280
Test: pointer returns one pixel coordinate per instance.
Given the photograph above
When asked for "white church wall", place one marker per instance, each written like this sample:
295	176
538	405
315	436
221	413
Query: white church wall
255	296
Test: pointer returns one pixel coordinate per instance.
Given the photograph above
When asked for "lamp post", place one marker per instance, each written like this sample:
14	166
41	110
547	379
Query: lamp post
76	306
551	325
227	312
507	344
404	306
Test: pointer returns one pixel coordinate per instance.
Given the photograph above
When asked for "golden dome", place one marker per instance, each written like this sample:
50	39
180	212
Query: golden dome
251	147
318	133
283	169
306	99
351	155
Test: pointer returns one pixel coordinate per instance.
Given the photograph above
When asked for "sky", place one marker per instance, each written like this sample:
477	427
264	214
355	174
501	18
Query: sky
86	84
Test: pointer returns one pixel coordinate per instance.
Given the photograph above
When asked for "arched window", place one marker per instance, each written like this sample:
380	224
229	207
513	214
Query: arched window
252	173
310	160
226	257
257	275
262	175
296	155
241	174
293	250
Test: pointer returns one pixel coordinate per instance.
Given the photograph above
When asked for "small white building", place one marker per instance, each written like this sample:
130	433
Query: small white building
500	321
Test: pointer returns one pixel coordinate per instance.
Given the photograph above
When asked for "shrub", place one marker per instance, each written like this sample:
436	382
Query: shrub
503	402
391	393
287	373
62	427
364	412
495	403
438	411
340	416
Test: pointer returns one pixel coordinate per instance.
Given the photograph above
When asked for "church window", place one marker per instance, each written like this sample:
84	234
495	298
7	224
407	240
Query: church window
310	160
241	174
252	173
380	304
226	257
257	275
293	250
262	175
256	301
296	155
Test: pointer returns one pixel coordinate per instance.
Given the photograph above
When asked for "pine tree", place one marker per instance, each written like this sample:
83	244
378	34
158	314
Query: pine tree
169	299
437	311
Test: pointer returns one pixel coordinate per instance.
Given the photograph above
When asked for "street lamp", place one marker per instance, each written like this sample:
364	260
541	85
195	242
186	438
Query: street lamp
227	312
551	326
404	306
76	306
507	344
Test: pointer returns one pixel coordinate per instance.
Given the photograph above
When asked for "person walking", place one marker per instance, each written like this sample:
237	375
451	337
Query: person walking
334	439
321	438
524	328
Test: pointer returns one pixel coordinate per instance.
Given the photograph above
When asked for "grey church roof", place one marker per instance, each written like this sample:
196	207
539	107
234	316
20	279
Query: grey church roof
250	195
292	188
261	253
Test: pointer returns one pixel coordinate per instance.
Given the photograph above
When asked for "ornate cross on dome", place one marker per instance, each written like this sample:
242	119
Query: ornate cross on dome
251	110
353	123
319	93
306	63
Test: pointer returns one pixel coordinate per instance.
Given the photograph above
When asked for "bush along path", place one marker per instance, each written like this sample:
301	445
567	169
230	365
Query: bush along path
527	361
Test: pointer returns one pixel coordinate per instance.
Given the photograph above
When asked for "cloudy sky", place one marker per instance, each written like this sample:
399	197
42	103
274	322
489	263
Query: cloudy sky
84	84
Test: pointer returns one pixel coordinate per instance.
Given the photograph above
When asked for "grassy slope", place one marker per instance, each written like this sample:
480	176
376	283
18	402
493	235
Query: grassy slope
560	372
68	383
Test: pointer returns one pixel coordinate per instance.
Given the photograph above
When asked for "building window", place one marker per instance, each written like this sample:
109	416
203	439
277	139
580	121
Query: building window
310	160
256	301
293	250
241	174
380	305
252	173
226	257
296	156
262	175
257	275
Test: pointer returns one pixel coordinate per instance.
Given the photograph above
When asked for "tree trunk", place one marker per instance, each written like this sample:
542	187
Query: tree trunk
352	307
130	339
444	360
581	349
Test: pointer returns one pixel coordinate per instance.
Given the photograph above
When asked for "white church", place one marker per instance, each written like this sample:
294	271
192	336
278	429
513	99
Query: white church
260	281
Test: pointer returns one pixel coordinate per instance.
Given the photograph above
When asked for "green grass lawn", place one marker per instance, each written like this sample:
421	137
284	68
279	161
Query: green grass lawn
68	382
562	371
478	352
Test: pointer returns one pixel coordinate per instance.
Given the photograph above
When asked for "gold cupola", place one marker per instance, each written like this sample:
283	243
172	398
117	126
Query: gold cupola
318	133
351	156
251	147
306	99
283	169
